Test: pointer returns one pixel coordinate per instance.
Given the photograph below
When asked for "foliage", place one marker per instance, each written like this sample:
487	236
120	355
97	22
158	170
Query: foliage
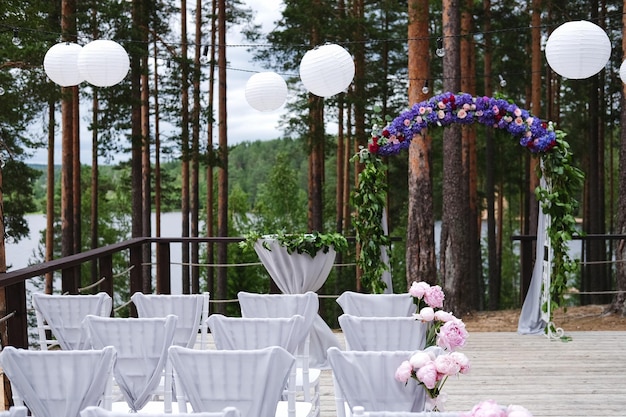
309	243
559	203
18	181
370	198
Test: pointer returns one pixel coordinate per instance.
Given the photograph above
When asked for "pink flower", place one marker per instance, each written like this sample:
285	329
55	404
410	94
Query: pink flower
403	373
488	408
462	361
517	112
418	289
530	121
444	316
422	110
441	114
517	411
407	122
426	314
519	121
452	335
447	365
461	114
419	359
427	374
434	296
441	105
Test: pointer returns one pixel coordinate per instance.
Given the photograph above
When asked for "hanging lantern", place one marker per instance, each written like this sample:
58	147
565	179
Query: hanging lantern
103	63
60	64
266	91
578	50
622	72
327	70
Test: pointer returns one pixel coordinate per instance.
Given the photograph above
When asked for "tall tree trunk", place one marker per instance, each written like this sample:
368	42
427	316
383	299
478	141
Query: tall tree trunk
595	274
184	116
95	108
195	155
360	138
211	155
146	169
157	144
420	240
455	229
222	180
493	260
339	166
138	15
48	286
470	158
69	279
618	303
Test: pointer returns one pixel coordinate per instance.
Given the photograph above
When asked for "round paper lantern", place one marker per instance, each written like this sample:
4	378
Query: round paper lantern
60	64
578	49
266	91
622	72
327	70
103	63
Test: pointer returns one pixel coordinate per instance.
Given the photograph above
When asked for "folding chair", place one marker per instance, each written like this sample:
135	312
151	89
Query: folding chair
376	305
62	316
383	333
367	379
101	412
58	382
235	333
250	380
192	311
287	305
141	345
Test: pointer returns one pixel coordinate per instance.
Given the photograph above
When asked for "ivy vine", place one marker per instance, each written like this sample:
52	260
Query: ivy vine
558	201
370	199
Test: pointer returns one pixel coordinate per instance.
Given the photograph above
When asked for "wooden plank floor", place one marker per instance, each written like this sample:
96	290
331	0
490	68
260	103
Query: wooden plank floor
585	377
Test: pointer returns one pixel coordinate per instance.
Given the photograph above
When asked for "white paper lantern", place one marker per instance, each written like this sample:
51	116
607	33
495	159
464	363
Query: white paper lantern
327	70
578	49
60	64
622	72
266	91
103	63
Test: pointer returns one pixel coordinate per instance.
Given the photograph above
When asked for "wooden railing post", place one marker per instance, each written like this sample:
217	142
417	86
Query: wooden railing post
163	272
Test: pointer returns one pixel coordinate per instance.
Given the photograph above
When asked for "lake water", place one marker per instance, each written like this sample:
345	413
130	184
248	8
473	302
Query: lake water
22	254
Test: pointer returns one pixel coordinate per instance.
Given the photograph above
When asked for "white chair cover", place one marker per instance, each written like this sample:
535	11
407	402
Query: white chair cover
367	379
141	345
65	313
250	380
383	333
296	274
101	412
235	333
360	412
15	411
58	382
377	305
287	305
191	310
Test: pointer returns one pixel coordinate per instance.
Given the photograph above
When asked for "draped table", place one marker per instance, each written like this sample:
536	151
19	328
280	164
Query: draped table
296	274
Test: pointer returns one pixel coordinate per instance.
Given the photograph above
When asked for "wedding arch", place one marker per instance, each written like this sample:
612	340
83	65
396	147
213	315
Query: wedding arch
559	180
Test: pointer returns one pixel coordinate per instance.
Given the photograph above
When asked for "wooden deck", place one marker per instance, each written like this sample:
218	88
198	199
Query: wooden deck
585	377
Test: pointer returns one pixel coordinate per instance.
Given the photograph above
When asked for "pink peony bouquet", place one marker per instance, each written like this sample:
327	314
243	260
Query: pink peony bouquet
431	367
490	408
446	330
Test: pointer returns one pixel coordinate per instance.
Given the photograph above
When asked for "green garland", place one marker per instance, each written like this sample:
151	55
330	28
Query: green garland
370	199
558	201
309	243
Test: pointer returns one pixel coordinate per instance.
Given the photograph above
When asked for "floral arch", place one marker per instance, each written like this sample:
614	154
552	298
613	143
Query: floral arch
539	137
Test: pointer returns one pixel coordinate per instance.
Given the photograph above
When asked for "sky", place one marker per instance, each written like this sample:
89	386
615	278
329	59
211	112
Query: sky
243	122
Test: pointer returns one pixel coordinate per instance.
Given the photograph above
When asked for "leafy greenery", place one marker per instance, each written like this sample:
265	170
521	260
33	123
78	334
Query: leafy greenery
309	243
558	201
370	199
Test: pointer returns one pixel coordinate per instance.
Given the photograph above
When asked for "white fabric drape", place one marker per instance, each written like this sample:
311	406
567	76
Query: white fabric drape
296	274
57	383
141	345
376	305
366	378
250	380
530	321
